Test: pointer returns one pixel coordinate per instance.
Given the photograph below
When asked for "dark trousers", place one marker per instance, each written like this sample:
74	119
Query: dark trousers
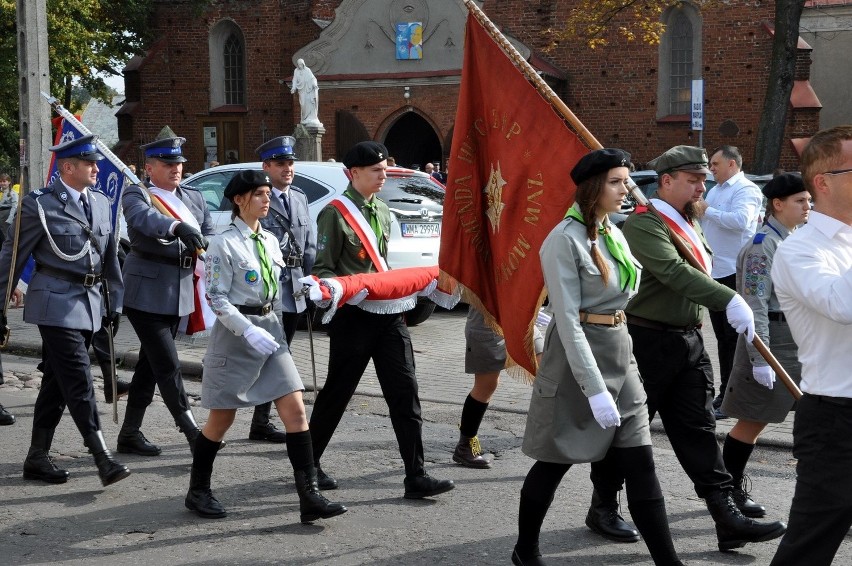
67	381
158	363
726	337
100	345
357	336
678	380
821	513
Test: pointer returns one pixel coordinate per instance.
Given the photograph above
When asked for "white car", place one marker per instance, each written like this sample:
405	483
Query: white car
415	198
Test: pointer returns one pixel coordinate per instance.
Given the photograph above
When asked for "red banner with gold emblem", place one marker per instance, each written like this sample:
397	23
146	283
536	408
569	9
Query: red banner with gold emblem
508	186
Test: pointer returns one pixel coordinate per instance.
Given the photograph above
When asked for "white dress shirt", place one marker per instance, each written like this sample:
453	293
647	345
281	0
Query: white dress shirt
812	274
730	221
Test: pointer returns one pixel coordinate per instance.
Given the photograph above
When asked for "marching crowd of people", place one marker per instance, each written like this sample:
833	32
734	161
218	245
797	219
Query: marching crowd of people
623	340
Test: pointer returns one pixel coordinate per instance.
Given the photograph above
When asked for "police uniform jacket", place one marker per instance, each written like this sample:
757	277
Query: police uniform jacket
582	359
57	295
339	249
294	232
672	291
163	285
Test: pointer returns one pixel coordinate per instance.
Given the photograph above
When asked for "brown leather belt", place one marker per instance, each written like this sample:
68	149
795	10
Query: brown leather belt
261	310
645	323
615	319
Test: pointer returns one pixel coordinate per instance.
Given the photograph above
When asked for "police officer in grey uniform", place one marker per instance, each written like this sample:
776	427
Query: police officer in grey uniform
66	227
158	274
291	223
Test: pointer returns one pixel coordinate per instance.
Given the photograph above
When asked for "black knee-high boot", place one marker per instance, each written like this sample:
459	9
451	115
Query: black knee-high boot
200	497
646	503
536	496
736	454
312	504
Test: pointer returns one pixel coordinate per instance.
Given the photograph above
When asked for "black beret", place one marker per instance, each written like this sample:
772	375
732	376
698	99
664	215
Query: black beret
245	181
599	161
784	185
364	154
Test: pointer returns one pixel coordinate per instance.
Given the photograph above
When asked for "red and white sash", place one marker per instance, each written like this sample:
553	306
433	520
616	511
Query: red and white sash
684	229
355	219
202	317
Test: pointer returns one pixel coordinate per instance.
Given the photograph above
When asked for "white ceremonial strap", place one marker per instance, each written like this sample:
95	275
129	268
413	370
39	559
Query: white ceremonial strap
171	199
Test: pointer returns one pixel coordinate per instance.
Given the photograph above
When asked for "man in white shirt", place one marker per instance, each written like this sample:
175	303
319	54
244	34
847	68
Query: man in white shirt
729	214
812	274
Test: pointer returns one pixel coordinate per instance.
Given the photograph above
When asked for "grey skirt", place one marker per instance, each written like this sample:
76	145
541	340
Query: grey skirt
235	375
560	425
485	350
745	398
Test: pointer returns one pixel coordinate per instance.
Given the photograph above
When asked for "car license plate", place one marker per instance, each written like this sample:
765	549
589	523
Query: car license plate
420	229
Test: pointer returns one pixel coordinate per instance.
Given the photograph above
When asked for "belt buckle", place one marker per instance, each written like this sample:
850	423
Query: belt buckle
266	309
291	261
186	262
618	318
89	280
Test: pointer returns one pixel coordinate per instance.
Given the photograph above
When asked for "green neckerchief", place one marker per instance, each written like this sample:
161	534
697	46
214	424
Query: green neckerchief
626	269
373	216
270	286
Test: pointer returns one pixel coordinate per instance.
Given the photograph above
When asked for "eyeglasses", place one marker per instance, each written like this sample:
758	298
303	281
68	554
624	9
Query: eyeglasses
838	172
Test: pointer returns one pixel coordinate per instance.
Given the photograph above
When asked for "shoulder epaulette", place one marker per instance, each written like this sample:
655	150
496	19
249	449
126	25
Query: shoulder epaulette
758	238
298	189
188	188
39	192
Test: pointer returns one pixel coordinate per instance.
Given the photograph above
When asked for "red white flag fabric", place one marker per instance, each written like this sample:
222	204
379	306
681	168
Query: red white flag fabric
508	186
384	292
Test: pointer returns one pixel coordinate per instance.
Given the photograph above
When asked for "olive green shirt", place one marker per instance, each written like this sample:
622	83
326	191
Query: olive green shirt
672	291
339	250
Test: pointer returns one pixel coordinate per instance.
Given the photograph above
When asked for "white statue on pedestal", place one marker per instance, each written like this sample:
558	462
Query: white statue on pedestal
305	82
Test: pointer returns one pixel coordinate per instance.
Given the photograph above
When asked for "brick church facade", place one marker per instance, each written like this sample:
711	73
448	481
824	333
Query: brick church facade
220	76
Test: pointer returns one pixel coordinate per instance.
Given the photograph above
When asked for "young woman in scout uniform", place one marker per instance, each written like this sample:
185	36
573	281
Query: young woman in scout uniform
245	363
588	403
751	396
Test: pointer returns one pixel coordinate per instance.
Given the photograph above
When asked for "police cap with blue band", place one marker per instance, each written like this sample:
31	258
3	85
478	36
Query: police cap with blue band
81	148
276	149
166	149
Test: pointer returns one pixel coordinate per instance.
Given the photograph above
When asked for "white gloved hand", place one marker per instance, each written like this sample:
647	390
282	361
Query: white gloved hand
764	375
260	340
543	318
314	293
740	317
604	409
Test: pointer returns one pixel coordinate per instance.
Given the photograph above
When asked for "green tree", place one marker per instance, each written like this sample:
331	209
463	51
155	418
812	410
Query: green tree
591	20
87	39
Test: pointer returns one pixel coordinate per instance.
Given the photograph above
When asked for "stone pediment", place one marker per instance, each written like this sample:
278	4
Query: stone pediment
361	40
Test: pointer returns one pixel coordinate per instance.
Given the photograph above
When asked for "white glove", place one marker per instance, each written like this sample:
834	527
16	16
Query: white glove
260	340
741	317
543	318
764	375
604	409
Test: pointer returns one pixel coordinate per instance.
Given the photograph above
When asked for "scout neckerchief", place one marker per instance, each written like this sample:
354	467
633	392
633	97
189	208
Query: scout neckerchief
683	228
355	219
375	225
626	269
270	285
